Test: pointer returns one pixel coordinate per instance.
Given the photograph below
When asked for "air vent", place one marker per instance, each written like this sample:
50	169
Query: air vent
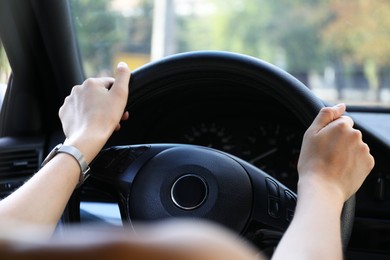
19	163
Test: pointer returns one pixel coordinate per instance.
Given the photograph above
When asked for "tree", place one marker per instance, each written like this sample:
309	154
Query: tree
283	32
297	31
360	32
5	69
97	32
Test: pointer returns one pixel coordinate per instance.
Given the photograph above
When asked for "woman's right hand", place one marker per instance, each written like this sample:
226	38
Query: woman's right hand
333	155
94	110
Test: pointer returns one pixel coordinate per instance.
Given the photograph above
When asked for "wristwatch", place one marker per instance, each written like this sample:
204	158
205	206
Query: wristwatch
75	153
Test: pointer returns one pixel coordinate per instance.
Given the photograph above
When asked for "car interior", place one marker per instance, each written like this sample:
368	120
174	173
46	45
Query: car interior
213	133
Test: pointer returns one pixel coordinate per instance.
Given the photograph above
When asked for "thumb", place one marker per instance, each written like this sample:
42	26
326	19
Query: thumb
326	116
122	78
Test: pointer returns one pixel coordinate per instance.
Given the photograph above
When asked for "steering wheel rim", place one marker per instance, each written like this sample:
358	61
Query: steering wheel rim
195	68
175	71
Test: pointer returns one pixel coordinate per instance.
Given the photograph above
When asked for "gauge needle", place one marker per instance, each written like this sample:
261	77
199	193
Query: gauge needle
263	155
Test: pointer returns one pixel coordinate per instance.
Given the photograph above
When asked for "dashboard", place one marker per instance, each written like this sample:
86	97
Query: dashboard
271	146
233	117
267	137
255	129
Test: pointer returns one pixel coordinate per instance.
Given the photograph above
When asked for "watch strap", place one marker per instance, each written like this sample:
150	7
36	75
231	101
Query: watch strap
75	153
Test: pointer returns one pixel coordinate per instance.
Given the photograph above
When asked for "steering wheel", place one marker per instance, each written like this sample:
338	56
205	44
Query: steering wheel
158	181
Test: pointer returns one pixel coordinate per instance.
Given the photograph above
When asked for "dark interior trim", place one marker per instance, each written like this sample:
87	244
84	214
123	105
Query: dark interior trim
35	60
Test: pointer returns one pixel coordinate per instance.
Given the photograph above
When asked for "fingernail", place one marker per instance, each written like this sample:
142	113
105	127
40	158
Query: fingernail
122	64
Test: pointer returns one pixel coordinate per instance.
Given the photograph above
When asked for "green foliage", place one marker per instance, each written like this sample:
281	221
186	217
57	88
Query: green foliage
359	32
98	31
297	30
103	32
237	26
139	29
5	69
301	35
284	32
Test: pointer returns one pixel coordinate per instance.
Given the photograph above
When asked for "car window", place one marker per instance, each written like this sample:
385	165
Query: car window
339	49
5	72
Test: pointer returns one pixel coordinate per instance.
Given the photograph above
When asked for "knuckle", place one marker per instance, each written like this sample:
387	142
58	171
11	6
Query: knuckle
347	118
342	125
370	159
89	81
327	111
66	100
365	148
75	89
357	134
60	112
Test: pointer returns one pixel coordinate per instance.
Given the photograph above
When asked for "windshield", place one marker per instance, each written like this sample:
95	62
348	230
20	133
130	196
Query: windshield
339	49
5	72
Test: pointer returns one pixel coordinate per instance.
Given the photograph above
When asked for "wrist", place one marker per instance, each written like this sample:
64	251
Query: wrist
75	154
87	144
317	189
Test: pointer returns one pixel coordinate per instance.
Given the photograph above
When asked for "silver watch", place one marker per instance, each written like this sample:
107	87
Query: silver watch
75	153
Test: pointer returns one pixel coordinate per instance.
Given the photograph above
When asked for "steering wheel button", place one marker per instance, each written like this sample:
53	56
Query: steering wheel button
289	215
272	188
273	208
291	199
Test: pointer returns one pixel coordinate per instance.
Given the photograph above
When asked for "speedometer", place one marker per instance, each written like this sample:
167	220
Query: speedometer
270	146
212	135
275	149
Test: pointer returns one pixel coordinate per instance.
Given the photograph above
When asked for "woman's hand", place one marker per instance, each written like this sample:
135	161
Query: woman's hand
333	154
333	164
94	110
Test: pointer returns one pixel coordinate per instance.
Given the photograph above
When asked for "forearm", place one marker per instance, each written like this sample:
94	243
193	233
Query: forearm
43	198
333	163
315	230
41	201
89	115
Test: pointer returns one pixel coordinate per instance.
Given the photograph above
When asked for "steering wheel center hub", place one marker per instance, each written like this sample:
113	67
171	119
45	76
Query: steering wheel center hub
189	192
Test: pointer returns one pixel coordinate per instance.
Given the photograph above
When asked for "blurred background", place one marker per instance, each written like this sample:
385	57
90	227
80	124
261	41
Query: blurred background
339	49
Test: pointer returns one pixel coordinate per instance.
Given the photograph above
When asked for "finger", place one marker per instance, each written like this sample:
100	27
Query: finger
347	120
326	116
125	116
98	82
343	124
107	82
121	84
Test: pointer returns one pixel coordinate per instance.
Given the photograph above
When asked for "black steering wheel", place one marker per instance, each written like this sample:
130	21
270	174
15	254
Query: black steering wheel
158	181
